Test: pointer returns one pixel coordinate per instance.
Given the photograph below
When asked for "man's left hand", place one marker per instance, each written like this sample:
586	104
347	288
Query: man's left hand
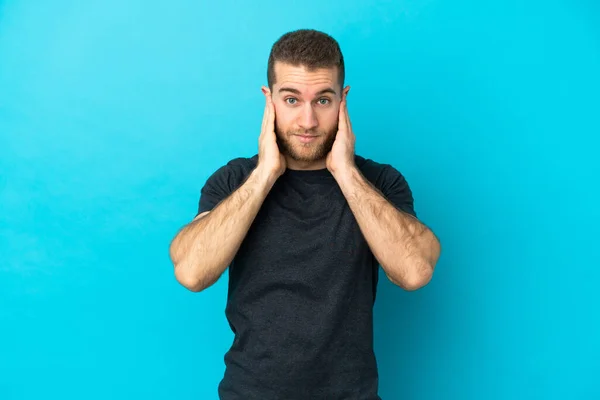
341	157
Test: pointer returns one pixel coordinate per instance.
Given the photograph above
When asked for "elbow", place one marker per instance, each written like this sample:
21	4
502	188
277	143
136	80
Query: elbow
422	277
188	280
183	274
417	282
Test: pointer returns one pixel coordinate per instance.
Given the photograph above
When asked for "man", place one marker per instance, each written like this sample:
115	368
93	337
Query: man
304	226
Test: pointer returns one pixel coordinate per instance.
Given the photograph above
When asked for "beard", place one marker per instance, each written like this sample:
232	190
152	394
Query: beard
305	152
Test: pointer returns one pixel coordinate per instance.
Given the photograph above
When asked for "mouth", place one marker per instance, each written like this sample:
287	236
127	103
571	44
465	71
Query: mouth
306	138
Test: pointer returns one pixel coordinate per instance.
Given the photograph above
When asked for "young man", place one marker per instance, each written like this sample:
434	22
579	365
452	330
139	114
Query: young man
304	226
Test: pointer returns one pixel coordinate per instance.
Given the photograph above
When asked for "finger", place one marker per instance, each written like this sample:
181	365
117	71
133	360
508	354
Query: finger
348	123
342	119
265	118
271	119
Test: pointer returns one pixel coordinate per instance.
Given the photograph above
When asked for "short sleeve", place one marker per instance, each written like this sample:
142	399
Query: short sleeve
395	188
218	187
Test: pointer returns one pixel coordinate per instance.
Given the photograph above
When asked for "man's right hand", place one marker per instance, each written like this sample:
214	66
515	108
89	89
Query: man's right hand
270	160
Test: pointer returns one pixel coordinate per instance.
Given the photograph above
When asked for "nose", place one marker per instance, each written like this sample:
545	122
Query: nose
308	119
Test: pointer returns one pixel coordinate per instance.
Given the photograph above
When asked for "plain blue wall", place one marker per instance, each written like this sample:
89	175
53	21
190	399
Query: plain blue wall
114	113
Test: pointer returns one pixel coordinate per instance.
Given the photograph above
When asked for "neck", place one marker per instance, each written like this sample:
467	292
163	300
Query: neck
305	165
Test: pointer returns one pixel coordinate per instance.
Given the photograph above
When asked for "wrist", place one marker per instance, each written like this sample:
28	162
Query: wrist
265	177
345	174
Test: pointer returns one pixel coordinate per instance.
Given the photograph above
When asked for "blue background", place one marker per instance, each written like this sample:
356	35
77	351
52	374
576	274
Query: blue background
114	113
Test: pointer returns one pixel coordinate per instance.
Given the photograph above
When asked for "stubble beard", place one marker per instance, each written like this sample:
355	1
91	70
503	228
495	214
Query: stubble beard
305	152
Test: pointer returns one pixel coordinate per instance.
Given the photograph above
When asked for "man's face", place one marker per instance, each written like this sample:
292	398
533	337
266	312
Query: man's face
306	111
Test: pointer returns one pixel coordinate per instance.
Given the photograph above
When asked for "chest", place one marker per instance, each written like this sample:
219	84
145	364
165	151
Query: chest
304	235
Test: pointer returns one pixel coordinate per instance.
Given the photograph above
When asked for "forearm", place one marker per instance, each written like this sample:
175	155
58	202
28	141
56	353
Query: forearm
406	249
203	249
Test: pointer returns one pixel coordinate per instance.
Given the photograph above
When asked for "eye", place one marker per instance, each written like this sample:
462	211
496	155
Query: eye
324	101
291	100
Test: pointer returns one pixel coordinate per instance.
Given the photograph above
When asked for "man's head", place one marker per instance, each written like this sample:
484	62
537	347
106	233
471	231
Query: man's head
305	77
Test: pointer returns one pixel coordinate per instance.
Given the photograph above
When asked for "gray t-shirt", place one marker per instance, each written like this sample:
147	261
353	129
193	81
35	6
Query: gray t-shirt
302	287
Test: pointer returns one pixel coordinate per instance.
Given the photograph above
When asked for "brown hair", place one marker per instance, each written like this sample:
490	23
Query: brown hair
308	48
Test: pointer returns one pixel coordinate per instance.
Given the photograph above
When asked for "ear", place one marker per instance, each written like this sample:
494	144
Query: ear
266	91
345	92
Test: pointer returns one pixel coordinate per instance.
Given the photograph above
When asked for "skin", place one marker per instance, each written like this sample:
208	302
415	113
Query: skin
406	249
312	102
306	102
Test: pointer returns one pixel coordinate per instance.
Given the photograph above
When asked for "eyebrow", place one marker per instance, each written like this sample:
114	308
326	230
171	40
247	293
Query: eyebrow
296	91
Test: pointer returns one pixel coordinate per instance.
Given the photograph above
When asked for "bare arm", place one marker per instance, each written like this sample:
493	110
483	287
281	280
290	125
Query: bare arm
406	249
203	249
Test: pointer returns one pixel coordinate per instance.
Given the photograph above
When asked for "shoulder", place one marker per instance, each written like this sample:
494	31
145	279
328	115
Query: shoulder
389	181
377	173
241	165
233	172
